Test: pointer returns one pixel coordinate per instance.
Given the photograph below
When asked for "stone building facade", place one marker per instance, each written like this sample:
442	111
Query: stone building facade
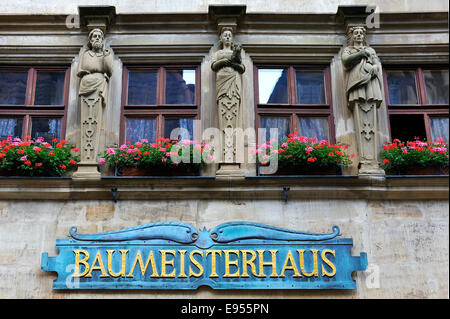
400	221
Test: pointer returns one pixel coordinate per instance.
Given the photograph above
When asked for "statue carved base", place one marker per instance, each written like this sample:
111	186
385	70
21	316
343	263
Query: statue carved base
230	169
87	171
91	114
365	113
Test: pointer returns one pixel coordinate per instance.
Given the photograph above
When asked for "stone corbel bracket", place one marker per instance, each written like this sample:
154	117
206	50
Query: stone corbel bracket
101	17
352	15
226	16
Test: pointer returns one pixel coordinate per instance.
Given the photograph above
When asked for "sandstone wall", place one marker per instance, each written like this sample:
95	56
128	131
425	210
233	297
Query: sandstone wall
406	241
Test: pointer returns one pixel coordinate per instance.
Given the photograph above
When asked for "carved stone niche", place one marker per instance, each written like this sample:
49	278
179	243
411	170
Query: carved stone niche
228	66
95	68
363	85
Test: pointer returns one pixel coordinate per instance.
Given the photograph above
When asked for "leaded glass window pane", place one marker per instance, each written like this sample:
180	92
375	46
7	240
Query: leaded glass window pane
49	88
180	87
273	86
140	128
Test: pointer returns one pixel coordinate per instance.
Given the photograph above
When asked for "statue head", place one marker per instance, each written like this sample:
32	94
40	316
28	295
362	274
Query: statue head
226	37
356	35
96	37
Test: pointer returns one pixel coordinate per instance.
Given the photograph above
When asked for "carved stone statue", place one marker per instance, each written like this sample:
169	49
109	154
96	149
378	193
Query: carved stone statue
364	95
94	69
227	63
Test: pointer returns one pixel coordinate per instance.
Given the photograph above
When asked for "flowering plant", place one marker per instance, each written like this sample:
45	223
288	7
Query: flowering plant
163	154
398	156
36	157
302	155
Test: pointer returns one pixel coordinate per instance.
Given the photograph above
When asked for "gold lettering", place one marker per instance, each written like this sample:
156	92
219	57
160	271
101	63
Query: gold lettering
141	265
246	262
213	262
83	261
98	258
302	263
196	263
273	263
329	263
165	262
293	266
182	274
122	270
229	262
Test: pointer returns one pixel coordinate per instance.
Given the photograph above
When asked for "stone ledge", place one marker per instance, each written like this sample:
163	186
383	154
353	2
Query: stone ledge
254	187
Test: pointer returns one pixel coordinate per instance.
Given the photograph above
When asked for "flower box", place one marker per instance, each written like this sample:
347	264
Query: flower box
163	157
31	158
136	171
415	158
299	155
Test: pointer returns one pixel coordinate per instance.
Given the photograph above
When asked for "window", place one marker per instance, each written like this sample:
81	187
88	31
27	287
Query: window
294	99
33	101
417	101
158	99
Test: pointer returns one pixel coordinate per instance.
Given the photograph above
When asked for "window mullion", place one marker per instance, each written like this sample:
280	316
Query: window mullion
292	86
421	86
26	128
294	123
427	127
160	125
31	82
160	98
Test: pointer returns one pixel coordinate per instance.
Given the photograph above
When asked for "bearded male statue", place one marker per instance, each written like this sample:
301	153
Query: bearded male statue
94	69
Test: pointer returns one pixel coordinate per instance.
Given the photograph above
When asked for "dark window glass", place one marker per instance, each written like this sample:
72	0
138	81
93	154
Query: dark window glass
10	127
273	86
314	127
180	87
13	87
49	88
402	87
280	123
436	83
407	127
142	87
140	128
186	126
439	128
48	128
310	87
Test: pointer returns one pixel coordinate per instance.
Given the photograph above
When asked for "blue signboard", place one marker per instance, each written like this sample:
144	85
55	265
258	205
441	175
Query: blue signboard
235	255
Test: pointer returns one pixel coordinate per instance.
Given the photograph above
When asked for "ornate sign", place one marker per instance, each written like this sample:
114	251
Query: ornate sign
235	255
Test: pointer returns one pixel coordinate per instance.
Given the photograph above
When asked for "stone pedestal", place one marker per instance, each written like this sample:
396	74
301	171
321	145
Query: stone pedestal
87	171
365	115
91	119
226	169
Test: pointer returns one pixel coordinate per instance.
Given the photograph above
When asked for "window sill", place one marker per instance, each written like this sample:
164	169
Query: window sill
348	187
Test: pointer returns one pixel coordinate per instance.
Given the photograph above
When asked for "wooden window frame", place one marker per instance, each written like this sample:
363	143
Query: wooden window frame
160	110
28	110
292	109
422	107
